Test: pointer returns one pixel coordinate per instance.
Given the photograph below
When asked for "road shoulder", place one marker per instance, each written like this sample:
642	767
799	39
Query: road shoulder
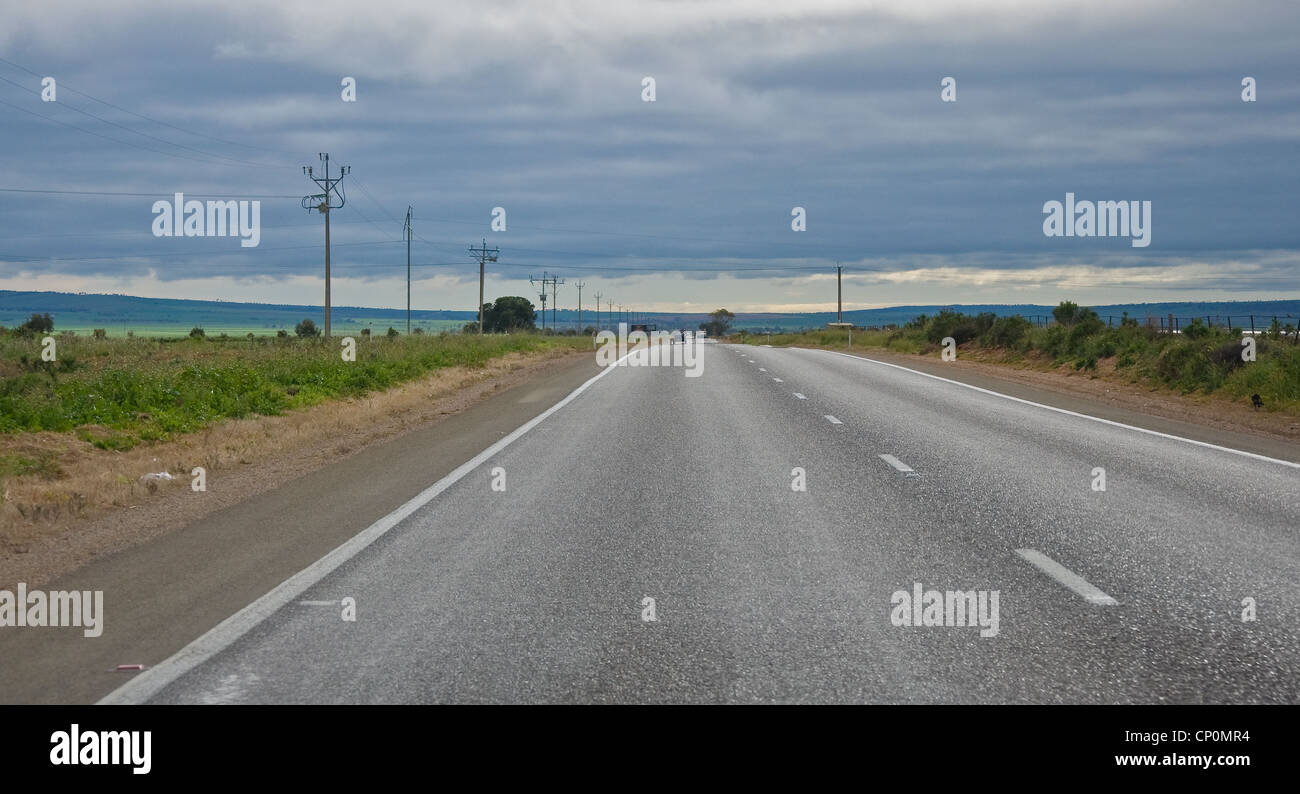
162	593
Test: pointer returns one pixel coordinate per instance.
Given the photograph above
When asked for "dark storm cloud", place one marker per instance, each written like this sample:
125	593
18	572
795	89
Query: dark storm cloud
760	108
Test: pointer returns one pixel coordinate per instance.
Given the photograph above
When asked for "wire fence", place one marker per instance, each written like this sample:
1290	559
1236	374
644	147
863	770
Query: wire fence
1246	323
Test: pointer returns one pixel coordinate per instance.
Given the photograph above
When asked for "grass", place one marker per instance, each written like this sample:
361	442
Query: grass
119	392
1201	359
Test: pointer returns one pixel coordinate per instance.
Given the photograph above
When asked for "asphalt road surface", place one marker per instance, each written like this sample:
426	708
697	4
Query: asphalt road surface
647	484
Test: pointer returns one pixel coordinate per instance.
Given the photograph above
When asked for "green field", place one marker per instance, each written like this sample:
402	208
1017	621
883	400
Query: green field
118	392
340	327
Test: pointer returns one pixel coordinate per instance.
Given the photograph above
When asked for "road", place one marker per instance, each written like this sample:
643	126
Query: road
650	484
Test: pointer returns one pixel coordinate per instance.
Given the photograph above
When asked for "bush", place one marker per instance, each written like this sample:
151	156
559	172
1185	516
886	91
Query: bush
282	334
37	324
392	332
1066	312
1196	329
1006	332
196	333
306	329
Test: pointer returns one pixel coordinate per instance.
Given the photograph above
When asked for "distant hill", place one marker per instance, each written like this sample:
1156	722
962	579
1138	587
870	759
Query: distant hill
164	316
161	316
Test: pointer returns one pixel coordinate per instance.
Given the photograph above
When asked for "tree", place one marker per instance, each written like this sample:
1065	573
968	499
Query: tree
1065	312
38	324
719	324
508	313
306	328
196	333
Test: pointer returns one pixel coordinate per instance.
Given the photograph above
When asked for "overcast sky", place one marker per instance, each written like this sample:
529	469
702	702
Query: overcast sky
683	203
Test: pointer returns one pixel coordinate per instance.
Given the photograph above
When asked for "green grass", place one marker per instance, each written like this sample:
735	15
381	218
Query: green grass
1199	360
118	392
180	328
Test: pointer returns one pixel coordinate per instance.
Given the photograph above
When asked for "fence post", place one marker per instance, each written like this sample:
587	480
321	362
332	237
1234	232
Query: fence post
1229	323
1252	323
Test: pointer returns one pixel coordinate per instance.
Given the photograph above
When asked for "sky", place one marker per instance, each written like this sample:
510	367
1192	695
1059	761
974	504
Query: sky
684	203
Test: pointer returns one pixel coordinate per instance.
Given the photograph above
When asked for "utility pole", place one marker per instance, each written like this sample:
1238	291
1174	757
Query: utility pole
597	310
483	255
321	203
545	279
580	285
555	301
407	233
839	293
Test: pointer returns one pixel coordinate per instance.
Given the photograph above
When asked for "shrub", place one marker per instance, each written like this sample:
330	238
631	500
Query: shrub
307	328
392	332
100	333
1006	332
196	332
37	324
1065	312
1196	329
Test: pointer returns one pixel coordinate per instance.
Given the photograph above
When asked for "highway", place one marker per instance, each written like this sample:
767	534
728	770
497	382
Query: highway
647	484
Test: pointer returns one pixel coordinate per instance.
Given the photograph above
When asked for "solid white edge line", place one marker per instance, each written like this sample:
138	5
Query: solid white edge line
832	419
897	464
1067	412
800	396
225	633
778	380
1066	577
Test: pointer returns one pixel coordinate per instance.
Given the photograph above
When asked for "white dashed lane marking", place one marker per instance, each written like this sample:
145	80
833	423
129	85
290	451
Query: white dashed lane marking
898	464
1066	577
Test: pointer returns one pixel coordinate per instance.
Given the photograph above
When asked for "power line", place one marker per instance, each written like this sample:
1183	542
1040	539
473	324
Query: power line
76	109
65	86
142	195
140	233
109	137
174	254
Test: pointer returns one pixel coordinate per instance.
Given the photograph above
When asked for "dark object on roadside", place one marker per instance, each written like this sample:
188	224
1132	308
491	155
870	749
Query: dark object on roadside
1256	401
